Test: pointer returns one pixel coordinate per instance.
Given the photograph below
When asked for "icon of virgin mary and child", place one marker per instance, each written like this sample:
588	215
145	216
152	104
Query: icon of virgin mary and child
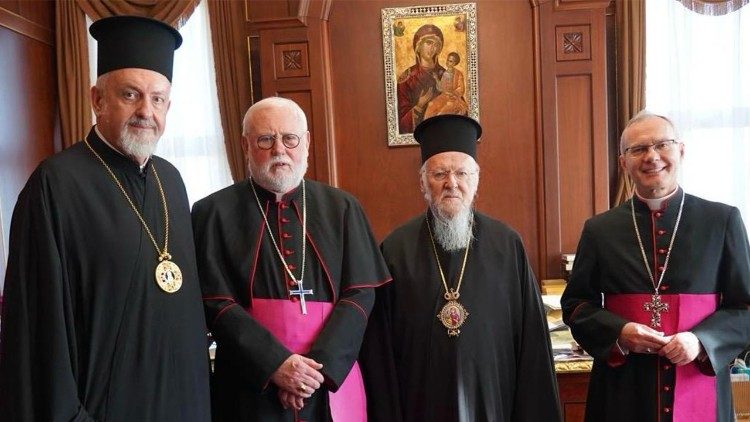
428	89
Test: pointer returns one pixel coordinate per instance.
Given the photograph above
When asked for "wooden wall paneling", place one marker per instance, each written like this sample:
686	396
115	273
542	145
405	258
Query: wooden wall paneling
285	60
291	40
316	14
29	115
573	390
33	18
270	10
385	179
574	122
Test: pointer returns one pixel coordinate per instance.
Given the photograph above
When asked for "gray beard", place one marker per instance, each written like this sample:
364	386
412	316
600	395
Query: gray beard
137	146
453	233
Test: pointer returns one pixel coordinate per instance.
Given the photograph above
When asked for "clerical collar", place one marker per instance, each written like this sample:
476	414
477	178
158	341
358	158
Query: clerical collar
106	142
657	203
265	194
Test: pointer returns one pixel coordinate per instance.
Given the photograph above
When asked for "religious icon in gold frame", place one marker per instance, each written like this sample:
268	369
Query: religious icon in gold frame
430	56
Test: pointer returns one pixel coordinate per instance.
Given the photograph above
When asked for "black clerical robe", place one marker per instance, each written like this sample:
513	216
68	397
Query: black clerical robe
87	334
499	368
709	264
239	265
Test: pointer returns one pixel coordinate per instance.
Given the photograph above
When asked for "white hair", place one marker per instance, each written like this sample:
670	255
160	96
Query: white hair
279	102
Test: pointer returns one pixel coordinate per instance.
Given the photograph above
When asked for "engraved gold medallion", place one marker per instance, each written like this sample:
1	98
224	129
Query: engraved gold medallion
168	276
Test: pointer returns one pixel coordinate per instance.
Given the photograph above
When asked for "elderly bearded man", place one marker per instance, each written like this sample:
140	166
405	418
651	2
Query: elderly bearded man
460	334
659	292
102	318
288	268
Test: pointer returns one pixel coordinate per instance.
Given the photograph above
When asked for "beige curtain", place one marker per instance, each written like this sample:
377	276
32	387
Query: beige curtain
714	7
72	72
231	109
72	50
631	64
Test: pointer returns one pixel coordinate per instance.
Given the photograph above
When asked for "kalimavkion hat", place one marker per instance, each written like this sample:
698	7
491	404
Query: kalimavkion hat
135	41
448	132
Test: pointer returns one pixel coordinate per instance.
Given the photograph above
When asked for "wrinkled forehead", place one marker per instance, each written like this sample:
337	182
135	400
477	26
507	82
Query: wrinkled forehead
451	160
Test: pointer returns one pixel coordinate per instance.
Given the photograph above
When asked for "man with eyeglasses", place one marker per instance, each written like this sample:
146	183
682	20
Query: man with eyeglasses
659	291
460	334
287	267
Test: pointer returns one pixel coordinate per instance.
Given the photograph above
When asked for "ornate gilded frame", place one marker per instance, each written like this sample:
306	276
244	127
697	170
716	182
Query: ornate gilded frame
458	23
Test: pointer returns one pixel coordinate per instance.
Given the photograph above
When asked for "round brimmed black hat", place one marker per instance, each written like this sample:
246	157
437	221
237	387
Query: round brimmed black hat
448	132
135	42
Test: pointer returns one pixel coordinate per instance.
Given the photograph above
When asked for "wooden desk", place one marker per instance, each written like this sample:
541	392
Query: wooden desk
573	382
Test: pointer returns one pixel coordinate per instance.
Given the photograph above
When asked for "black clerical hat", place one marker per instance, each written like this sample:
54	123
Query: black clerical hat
448	132
134	41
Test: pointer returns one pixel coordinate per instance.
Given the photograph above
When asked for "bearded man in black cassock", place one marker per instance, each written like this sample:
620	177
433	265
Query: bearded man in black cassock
659	292
102	317
287	267
460	334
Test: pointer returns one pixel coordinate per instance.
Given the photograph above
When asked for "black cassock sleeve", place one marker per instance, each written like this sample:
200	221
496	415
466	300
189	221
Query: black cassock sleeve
536	396
593	327
253	351
378	364
725	333
37	342
362	269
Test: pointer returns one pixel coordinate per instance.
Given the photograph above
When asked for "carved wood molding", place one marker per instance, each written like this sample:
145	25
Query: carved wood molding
291	60
581	4
315	9
573	42
26	27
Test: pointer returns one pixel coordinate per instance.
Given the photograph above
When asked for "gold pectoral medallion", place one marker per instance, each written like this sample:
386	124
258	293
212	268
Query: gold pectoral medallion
453	314
168	276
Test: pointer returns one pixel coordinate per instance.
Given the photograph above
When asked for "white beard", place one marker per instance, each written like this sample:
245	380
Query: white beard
278	183
138	146
453	233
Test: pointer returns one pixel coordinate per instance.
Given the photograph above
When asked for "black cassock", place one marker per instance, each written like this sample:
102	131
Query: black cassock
239	265
709	264
499	368
87	334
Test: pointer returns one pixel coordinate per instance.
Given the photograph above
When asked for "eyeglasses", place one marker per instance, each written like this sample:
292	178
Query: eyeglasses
661	147
290	140
442	175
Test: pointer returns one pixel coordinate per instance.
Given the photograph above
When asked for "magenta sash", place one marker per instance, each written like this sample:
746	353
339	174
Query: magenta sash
694	392
298	332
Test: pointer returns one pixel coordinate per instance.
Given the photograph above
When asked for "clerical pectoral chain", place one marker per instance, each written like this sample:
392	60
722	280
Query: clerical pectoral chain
300	291
168	274
453	314
655	305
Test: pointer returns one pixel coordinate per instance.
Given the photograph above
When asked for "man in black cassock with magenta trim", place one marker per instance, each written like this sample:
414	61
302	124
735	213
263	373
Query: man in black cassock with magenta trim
288	267
460	334
102	317
659	292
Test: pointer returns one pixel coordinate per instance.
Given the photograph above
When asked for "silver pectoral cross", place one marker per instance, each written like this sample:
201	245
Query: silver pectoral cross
301	292
656	307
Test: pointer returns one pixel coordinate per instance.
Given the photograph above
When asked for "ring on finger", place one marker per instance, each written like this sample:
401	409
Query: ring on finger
648	350
302	388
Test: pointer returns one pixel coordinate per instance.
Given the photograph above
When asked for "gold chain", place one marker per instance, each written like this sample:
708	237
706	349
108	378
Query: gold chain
162	255
450	294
